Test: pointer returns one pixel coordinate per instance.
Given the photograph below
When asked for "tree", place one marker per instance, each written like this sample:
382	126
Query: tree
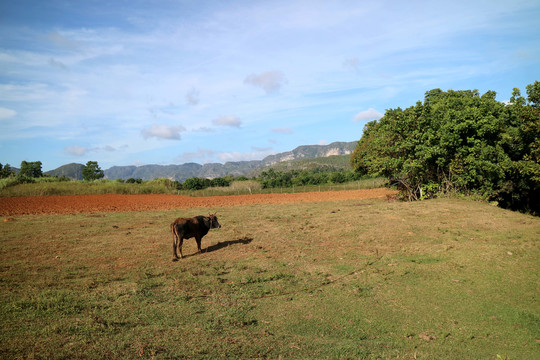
459	141
5	171
533	94
338	177
216	182
196	183
31	169
91	171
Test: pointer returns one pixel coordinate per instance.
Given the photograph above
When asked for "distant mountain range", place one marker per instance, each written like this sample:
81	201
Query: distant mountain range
213	170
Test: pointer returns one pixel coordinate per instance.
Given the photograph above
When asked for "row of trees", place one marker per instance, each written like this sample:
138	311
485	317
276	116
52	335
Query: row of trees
275	179
268	179
32	169
197	183
28	169
27	172
459	141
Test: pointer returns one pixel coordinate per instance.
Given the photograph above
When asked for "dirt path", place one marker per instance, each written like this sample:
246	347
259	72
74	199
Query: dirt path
10	206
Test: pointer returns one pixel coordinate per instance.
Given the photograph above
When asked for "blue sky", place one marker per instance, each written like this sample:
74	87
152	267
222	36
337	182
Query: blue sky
168	82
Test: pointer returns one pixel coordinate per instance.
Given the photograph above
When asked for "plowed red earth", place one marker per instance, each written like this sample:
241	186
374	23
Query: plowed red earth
10	206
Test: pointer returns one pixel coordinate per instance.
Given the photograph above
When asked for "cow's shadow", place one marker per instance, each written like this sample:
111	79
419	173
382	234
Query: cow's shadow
220	245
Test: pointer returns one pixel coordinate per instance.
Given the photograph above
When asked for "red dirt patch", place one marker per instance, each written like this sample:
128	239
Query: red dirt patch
10	206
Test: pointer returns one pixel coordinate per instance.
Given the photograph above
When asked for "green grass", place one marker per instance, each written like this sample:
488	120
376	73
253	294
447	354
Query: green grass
439	279
44	187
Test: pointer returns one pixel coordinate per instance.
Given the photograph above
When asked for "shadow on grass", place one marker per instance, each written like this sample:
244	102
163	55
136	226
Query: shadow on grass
220	245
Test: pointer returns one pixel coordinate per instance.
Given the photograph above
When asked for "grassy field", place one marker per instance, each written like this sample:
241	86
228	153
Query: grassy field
439	279
165	186
48	186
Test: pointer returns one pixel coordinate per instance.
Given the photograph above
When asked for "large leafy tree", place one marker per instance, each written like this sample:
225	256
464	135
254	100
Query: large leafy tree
31	169
459	141
91	171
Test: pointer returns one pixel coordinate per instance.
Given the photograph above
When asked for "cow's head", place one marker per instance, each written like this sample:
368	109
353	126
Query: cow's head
214	224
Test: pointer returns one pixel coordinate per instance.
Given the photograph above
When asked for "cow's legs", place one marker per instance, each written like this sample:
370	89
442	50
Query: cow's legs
174	244
198	239
178	239
180	242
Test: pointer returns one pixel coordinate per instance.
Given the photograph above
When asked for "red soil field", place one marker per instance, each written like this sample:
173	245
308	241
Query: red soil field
10	206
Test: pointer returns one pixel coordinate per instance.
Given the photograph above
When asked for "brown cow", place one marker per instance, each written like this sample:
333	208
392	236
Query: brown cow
186	228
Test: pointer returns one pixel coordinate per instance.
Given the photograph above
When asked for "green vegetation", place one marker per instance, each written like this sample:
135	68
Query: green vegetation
245	187
6	171
91	171
46	186
200	183
31	169
73	170
459	142
317	175
279	179
438	279
321	164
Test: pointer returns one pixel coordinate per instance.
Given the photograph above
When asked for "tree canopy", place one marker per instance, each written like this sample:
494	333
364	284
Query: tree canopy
31	169
91	171
459	141
5	171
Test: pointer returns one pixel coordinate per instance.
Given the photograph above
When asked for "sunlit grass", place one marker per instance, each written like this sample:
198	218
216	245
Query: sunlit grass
369	279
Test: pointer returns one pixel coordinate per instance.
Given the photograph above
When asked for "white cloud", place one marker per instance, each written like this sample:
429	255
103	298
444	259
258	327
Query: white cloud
76	150
204	129
242	156
163	132
201	155
269	81
283	130
6	113
368	115
230	120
